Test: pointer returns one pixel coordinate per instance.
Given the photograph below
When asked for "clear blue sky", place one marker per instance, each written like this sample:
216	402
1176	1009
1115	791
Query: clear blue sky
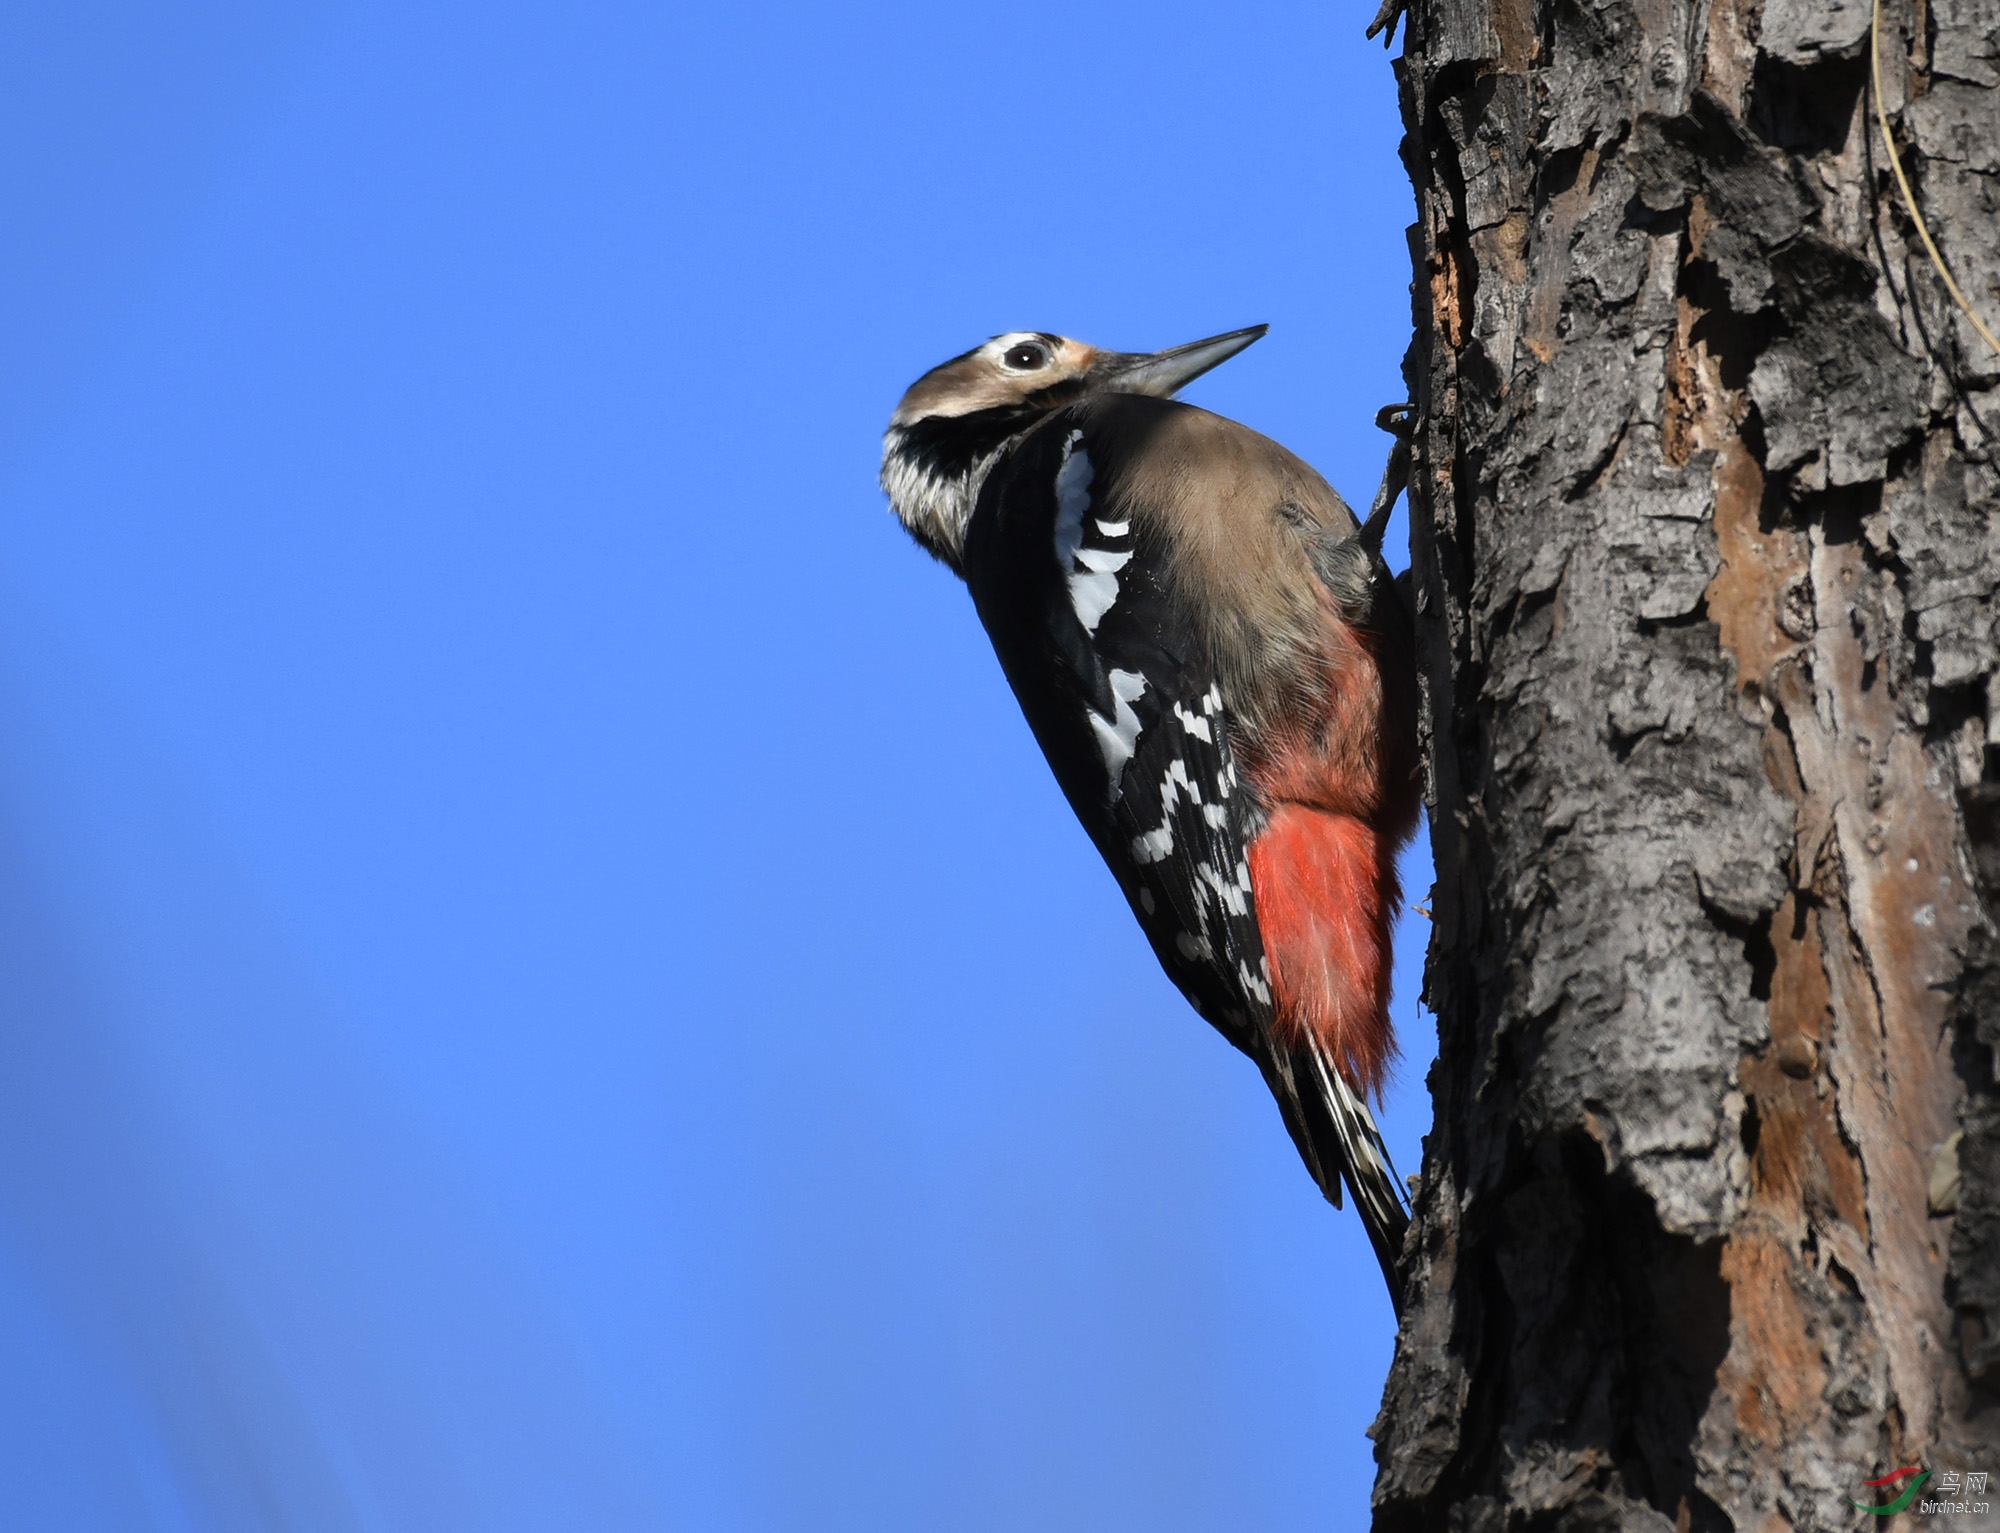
543	982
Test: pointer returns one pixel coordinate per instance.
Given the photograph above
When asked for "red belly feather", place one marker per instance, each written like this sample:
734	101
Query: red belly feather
1326	892
1342	794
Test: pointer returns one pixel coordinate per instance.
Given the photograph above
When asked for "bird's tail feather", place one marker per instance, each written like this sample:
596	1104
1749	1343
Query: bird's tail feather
1337	1136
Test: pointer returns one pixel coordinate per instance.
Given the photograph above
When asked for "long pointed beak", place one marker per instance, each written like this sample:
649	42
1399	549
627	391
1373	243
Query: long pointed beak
1163	373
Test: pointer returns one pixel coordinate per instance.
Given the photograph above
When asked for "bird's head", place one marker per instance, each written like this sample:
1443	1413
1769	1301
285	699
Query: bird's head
955	421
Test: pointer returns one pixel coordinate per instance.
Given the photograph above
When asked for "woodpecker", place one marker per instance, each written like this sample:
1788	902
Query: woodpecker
1219	667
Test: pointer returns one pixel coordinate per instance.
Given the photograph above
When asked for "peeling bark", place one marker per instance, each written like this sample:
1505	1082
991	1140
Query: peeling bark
1704	497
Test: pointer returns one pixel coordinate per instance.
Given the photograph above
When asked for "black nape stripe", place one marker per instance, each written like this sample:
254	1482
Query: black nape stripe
950	446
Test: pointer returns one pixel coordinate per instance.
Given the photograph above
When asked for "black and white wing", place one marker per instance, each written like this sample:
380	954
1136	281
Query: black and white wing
1137	729
1133	726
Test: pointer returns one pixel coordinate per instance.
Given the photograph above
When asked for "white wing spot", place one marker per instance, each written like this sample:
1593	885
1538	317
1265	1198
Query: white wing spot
1252	983
1093	588
1216	815
1092	596
1146	900
1114	529
1118	735
1072	497
1190	946
1194	724
1227	894
1154	846
1103	560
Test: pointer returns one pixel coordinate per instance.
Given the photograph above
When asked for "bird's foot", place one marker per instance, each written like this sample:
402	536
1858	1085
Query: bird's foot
1385	20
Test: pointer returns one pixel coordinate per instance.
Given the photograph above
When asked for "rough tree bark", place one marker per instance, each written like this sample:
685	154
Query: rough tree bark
1704	503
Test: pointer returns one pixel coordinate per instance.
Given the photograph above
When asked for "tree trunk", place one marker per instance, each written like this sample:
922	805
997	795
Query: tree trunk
1703	476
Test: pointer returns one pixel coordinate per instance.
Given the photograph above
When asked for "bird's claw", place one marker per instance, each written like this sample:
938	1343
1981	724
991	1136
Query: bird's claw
1397	420
1385	20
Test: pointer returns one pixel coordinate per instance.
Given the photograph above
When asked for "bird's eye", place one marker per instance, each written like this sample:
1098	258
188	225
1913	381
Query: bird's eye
1027	356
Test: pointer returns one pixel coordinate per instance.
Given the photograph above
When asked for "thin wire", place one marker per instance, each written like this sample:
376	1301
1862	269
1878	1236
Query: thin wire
1903	181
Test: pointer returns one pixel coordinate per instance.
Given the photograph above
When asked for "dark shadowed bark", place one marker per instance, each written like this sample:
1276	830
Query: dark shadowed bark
1704	499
